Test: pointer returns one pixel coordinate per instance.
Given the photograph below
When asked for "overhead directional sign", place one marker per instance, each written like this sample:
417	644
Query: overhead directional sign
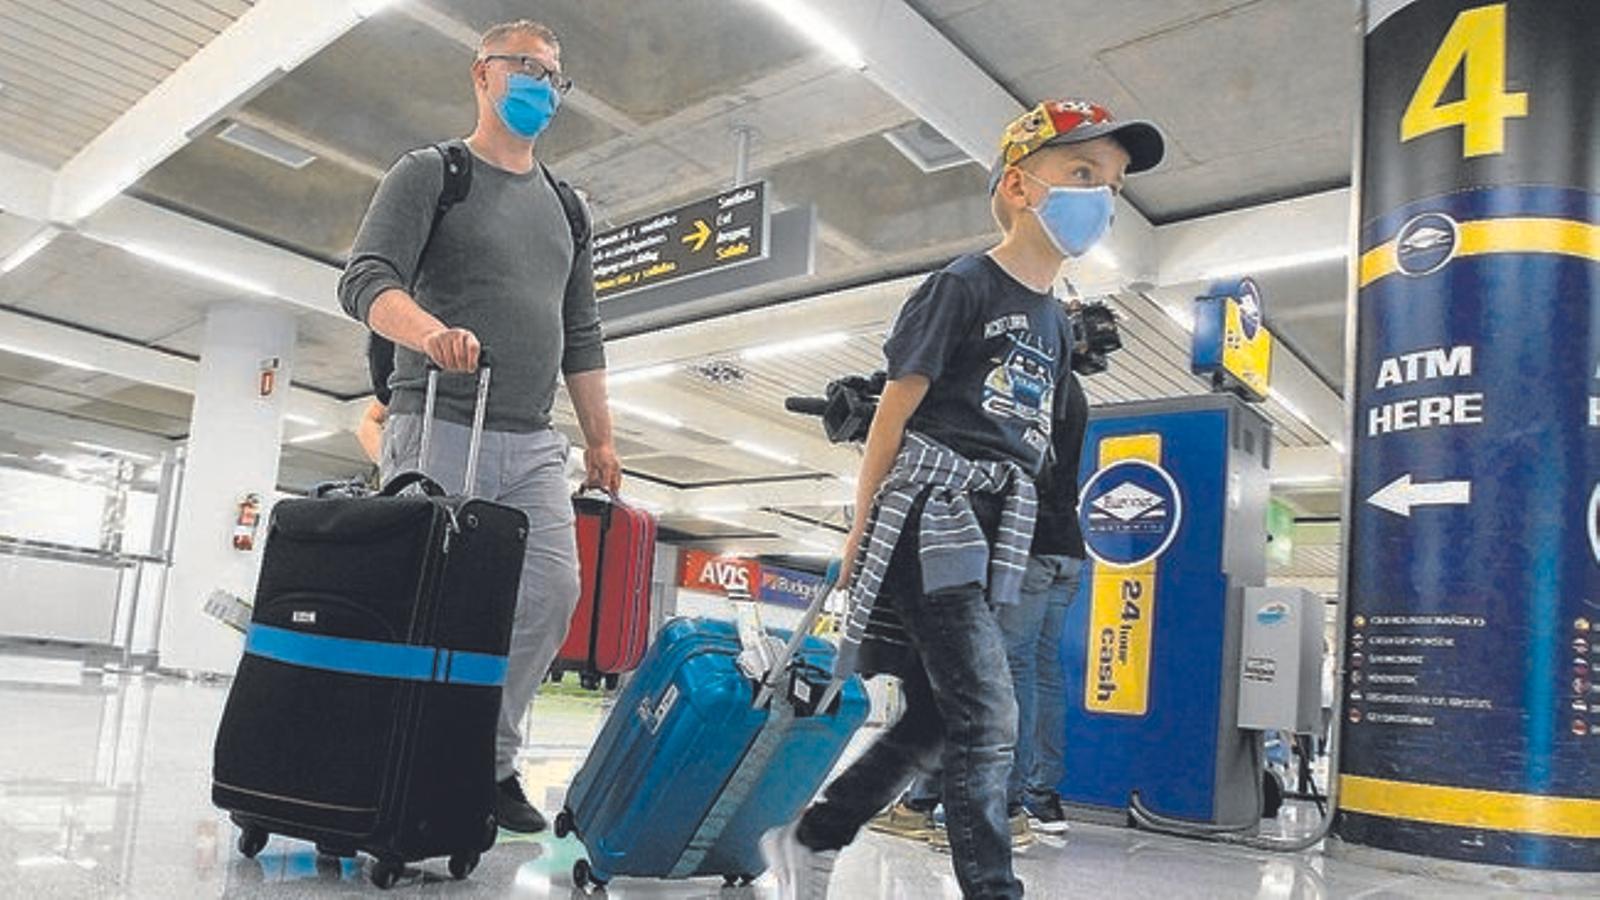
1402	495
707	235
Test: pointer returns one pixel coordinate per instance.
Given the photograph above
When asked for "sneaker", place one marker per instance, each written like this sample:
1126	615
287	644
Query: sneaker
1047	816
802	873
513	812
901	821
1021	835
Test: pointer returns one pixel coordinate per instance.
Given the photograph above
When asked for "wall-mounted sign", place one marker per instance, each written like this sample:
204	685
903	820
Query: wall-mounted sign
720	232
1231	342
704	571
788	587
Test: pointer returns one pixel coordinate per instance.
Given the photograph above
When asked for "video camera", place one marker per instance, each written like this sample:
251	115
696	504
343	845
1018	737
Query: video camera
847	409
1094	338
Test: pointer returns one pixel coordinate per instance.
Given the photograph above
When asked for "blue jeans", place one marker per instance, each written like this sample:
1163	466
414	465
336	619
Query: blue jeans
960	715
1033	629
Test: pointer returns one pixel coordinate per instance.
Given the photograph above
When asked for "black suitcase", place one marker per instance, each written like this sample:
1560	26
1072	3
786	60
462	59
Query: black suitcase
364	710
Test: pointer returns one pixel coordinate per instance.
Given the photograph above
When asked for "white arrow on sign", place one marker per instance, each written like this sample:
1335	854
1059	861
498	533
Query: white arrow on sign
1400	495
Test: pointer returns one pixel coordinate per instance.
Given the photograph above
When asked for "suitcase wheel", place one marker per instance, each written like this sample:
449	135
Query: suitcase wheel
611	682
729	881
564	824
589	682
252	840
556	675
462	864
583	875
386	873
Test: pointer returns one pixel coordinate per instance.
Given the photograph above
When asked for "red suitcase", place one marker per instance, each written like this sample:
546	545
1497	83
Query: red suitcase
616	558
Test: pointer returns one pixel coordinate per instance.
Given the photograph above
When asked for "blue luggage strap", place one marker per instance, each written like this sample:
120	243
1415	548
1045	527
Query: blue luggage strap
745	777
379	659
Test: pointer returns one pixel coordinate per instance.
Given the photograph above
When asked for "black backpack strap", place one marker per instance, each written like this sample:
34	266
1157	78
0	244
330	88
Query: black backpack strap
577	211
457	160
457	174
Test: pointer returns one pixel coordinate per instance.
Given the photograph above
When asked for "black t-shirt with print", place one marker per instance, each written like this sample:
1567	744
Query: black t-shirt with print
993	350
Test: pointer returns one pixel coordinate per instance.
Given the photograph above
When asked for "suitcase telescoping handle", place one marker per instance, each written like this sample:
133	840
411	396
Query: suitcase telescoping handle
807	622
479	408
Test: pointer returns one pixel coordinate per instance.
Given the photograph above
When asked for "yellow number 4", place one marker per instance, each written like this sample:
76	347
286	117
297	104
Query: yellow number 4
1478	40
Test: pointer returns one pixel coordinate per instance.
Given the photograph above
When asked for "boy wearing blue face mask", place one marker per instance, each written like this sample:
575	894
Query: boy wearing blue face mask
946	502
507	257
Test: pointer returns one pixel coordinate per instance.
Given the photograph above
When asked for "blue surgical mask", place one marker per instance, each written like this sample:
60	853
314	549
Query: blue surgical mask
528	105
1075	219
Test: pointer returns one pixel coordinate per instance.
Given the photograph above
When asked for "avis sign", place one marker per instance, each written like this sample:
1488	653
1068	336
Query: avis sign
703	571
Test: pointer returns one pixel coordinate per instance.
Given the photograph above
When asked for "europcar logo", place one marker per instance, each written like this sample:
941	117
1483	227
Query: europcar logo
1426	243
1249	308
1130	513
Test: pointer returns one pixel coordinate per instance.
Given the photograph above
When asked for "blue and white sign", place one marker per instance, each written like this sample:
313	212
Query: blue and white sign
1426	243
1250	311
1130	512
788	587
1274	613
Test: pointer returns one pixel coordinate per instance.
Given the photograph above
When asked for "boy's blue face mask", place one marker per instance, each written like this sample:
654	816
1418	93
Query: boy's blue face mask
1074	219
528	105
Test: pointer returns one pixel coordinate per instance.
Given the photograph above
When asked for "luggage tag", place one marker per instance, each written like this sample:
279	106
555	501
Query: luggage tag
754	659
806	685
759	655
232	611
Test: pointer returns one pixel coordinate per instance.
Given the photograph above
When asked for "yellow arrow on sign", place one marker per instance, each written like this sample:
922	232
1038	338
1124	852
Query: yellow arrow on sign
702	233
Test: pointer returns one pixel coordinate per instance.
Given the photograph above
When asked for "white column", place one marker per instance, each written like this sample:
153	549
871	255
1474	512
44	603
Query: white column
234	446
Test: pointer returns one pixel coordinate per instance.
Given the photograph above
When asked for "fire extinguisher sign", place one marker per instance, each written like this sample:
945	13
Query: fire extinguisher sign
247	522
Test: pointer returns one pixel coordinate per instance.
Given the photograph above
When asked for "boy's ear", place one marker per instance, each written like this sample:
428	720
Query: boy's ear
1013	187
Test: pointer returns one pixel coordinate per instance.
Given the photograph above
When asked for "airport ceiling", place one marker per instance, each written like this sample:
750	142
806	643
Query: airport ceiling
1257	100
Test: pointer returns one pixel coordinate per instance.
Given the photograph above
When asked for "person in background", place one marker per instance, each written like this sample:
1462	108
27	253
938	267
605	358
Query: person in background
1034	626
504	263
946	501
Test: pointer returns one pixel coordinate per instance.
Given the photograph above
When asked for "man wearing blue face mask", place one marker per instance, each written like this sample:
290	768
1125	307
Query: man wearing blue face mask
946	500
475	238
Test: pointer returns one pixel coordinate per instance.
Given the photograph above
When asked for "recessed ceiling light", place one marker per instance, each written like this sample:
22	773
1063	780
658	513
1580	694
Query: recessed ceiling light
819	30
161	257
799	345
313	436
647	414
777	456
47	357
280	151
926	147
28	250
102	448
649	373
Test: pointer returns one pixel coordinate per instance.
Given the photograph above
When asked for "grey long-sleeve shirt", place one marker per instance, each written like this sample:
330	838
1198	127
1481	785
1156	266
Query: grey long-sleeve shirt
501	265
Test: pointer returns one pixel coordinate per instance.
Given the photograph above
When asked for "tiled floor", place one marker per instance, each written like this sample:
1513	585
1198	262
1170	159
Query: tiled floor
104	792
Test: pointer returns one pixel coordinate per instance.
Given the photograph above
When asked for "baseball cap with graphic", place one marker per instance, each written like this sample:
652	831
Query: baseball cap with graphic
1057	122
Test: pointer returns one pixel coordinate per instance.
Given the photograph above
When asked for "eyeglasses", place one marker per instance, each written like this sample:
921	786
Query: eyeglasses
528	65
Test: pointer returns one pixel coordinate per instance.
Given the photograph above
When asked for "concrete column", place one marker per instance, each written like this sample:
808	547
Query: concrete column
234	446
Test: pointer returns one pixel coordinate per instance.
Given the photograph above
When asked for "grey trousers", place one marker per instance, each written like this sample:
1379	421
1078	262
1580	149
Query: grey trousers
528	472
